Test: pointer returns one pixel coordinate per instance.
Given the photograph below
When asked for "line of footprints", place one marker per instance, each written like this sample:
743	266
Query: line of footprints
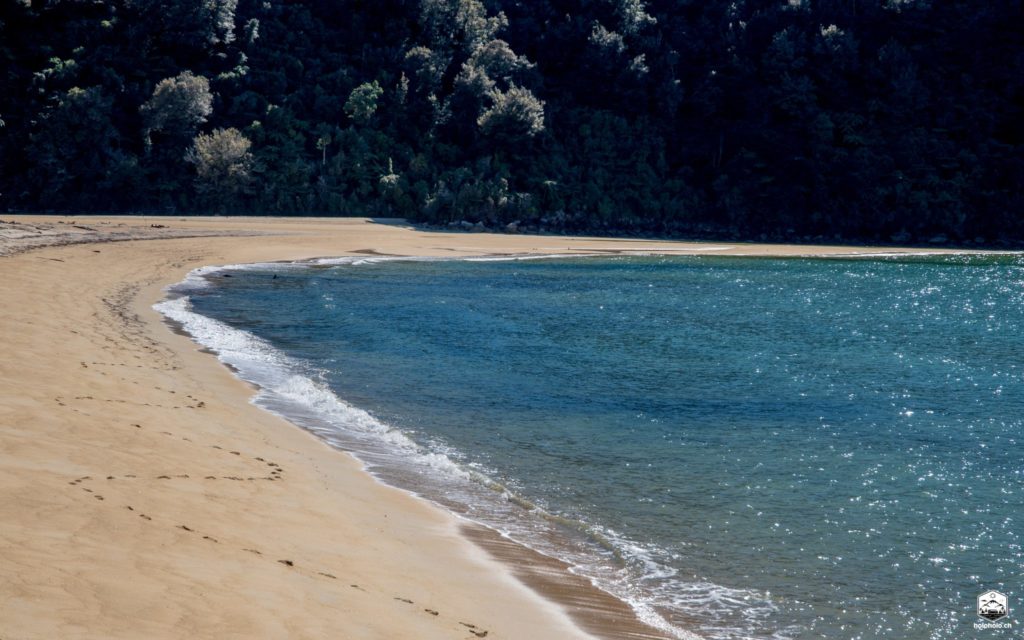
276	473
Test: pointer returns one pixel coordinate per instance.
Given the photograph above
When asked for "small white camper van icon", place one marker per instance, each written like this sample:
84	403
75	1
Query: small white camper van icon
992	605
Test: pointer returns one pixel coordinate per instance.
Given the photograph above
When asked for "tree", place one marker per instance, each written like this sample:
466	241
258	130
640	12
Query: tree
178	106
75	153
427	68
461	25
514	115
362	102
497	59
223	167
634	16
186	26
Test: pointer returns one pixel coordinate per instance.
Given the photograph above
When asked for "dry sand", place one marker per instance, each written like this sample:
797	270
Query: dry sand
142	496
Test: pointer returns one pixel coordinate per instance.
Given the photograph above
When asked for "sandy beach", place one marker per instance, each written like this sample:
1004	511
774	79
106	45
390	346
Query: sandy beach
143	496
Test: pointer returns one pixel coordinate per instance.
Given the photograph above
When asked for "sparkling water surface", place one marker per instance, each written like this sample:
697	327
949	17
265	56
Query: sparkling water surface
743	448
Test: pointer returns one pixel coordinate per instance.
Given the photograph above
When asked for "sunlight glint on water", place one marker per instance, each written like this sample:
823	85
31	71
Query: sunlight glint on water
748	448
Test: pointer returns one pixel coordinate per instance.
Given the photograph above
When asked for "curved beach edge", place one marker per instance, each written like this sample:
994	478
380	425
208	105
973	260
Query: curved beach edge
143	495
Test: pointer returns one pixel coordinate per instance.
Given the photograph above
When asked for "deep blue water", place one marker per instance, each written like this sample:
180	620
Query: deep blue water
745	447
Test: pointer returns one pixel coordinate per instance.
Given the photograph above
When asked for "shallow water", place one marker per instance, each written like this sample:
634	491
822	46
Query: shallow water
748	448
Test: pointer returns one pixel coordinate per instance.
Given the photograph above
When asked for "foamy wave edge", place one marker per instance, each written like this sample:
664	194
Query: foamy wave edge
278	378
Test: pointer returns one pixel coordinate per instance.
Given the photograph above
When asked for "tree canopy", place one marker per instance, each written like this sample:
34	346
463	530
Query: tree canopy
892	120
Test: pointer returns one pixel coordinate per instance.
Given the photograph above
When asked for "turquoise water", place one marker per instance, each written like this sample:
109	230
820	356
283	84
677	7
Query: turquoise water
746	448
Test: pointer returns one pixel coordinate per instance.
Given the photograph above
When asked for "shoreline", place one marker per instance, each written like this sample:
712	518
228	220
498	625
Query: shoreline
90	421
595	609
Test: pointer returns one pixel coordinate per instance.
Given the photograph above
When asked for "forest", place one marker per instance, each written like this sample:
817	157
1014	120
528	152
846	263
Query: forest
847	120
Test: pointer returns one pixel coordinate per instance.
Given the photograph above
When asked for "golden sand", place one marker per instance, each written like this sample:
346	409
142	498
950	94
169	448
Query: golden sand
143	496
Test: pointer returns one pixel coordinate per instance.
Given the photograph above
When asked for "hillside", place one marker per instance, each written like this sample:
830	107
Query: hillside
896	120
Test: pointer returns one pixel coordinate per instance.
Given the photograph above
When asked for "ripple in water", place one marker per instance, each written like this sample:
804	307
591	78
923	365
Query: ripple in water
746	448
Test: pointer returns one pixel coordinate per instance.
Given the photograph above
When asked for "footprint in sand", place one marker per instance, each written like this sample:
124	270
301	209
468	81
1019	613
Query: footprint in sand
287	563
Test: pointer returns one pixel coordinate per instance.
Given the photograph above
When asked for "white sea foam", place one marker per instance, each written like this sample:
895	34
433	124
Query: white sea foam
639	579
196	279
200	278
365	260
362	260
516	258
292	394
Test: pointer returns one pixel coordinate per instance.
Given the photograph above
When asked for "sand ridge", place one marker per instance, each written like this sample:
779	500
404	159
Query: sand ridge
143	496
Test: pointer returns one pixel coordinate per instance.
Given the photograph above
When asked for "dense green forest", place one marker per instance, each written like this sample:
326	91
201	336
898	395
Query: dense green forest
898	120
